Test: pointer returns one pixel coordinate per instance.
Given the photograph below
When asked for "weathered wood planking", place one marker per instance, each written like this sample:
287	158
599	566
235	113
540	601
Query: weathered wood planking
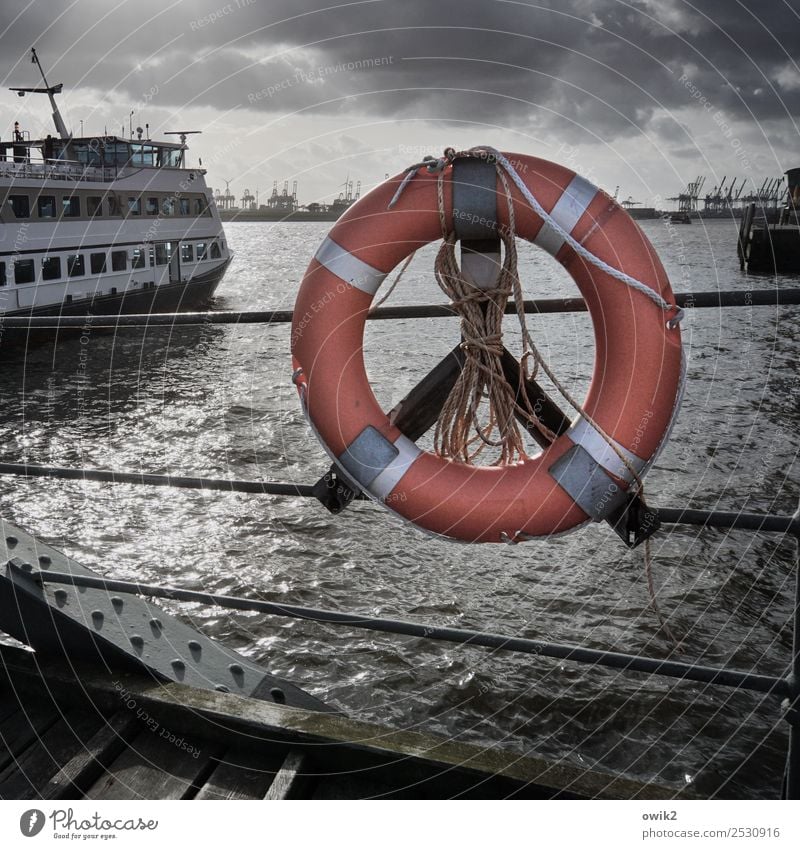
239	744
152	766
241	774
86	766
45	755
291	780
23	727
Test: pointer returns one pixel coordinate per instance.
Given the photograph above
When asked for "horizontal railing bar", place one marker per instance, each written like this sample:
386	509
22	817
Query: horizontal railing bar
731	520
693	300
613	660
143	478
668	515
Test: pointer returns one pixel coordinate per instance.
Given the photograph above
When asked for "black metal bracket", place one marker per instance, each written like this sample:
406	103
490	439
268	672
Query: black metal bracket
634	522
333	491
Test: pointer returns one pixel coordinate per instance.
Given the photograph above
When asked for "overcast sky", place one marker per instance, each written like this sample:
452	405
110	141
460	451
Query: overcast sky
640	94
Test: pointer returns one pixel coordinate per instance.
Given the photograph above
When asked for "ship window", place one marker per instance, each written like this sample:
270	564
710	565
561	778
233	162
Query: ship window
2	274
185	206
152	206
75	265
24	271
215	254
201	251
87	153
170	157
46	206
138	258
113	205
119	260
187	253
116	153
51	267
71	207
21	206
201	206
94	206
134	206
142	154
97	263
168	206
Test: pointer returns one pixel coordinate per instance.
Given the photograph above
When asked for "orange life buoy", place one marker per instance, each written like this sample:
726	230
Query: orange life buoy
634	392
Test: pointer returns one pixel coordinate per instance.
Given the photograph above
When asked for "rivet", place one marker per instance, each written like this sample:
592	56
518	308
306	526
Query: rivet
222	688
137	641
236	669
44	560
178	663
27	567
156	623
117	602
194	645
60	595
98	617
11	541
278	695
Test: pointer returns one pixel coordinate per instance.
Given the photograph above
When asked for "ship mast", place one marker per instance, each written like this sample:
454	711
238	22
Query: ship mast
50	91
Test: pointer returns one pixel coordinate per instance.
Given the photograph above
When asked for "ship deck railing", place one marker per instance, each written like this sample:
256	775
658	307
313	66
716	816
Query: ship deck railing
57	169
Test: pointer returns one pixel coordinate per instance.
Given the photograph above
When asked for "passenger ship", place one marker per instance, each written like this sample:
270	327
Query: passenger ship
104	224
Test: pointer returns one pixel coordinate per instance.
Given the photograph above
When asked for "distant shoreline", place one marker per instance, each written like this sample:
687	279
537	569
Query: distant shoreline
268	215
299	216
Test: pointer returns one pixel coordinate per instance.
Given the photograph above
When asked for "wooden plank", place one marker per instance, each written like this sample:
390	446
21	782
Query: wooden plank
340	745
22	728
24	778
242	774
410	780
291	780
349	745
350	787
8	704
152	767
87	765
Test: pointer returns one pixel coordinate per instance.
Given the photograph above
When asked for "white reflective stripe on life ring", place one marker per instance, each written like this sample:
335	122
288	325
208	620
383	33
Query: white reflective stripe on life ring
387	480
583	434
349	268
566	213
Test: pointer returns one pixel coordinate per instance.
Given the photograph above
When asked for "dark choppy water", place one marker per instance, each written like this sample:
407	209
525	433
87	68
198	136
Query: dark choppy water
218	401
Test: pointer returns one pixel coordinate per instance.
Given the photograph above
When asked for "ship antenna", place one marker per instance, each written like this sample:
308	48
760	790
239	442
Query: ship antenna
50	91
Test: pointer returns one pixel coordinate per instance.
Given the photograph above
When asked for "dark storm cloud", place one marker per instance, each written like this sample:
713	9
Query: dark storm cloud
602	67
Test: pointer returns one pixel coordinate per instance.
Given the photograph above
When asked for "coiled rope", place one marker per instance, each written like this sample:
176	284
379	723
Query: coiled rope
482	378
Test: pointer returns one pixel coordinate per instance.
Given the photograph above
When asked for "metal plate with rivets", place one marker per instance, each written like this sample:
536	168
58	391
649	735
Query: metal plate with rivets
90	625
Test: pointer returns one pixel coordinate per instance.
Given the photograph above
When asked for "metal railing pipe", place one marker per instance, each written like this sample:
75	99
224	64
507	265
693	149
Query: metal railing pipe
692	300
614	660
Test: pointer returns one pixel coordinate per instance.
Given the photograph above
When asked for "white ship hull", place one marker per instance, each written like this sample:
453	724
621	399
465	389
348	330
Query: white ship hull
77	237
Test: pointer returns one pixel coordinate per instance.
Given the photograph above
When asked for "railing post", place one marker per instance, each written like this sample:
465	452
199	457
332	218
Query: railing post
792	779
